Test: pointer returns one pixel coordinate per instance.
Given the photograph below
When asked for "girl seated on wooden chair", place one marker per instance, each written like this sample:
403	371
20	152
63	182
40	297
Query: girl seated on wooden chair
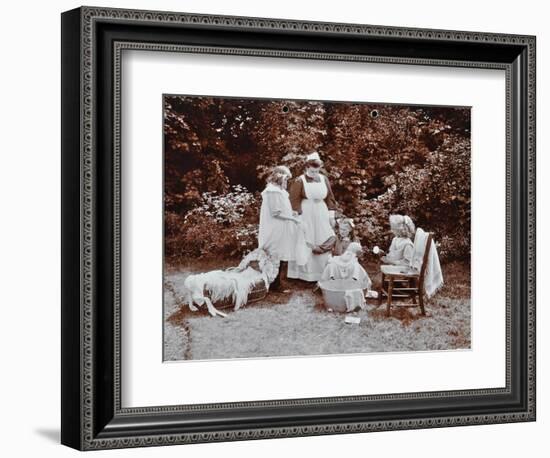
401	248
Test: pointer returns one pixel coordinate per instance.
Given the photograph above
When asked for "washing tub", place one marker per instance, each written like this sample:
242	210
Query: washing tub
334	293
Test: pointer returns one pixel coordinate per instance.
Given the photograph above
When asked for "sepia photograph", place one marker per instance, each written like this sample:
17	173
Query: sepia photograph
311	228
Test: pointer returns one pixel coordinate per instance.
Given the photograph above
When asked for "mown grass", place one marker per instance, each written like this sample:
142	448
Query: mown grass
297	323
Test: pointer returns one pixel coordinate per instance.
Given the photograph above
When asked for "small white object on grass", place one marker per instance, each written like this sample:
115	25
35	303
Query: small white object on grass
352	320
376	249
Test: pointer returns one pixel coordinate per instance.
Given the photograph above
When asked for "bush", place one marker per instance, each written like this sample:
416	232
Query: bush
436	196
223	225
407	159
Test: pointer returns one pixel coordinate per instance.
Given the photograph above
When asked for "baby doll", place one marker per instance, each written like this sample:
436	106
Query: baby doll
346	267
402	248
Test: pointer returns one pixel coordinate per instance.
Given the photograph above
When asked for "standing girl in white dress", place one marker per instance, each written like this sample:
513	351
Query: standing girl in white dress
280	232
312	199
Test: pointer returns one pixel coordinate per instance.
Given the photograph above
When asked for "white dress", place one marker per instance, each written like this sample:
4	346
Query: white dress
316	222
280	237
346	267
400	252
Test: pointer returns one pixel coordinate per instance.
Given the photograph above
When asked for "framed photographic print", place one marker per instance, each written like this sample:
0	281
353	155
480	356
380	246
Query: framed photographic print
278	228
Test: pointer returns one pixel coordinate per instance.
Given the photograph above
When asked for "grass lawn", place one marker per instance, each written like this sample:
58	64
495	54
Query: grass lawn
297	323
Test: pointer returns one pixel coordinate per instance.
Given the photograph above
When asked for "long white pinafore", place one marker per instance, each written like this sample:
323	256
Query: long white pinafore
275	235
316	219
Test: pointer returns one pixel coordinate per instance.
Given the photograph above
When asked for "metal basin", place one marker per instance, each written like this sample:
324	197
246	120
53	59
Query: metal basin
334	293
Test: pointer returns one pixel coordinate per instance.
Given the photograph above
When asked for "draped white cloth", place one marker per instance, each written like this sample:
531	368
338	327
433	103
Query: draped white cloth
316	220
433	278
269	265
217	285
355	298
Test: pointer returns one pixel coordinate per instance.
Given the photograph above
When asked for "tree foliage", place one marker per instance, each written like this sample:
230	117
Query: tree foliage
380	159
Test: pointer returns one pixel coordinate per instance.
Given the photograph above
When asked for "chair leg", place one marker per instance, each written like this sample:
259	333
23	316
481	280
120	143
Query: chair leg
380	292
421	302
390	292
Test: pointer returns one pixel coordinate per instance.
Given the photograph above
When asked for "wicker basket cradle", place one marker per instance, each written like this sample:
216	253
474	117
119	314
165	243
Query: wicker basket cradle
260	261
257	293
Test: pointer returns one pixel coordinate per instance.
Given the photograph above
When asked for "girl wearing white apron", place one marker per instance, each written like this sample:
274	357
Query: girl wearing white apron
315	217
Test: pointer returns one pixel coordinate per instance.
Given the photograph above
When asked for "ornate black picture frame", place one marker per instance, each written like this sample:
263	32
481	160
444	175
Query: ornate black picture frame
92	42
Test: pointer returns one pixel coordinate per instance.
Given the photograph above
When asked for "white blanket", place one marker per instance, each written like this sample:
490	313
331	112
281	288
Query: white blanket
354	298
220	284
433	277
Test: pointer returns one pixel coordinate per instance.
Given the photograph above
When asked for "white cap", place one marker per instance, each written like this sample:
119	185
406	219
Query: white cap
313	157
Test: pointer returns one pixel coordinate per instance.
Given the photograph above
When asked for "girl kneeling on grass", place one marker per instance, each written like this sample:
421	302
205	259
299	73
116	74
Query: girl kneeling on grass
344	236
346	266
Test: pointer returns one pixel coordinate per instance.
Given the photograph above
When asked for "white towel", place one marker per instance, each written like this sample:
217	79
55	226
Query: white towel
433	277
354	298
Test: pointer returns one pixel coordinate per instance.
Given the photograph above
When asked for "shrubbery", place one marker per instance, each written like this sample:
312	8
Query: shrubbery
413	160
221	225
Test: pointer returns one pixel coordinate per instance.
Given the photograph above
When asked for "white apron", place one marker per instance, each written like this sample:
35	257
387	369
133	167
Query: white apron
316	220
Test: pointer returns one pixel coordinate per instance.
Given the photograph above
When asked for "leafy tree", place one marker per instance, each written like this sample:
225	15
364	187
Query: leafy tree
381	159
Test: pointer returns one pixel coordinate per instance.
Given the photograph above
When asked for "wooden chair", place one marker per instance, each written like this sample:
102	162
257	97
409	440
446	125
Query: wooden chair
403	282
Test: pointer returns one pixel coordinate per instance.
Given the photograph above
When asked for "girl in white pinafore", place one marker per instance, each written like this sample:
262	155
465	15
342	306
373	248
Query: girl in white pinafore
279	231
316	219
